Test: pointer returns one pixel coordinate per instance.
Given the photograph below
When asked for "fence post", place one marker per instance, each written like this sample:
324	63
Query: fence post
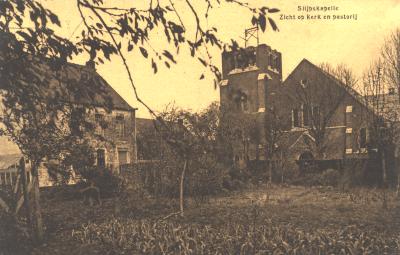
25	190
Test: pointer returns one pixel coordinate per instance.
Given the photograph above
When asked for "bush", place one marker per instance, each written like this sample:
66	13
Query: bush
105	179
329	177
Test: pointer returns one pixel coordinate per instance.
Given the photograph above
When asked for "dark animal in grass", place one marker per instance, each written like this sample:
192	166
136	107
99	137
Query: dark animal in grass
91	194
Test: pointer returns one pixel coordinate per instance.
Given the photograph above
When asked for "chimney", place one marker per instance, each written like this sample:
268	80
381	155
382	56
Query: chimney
90	64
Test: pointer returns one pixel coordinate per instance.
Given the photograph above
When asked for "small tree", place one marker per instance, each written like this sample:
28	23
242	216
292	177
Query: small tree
193	139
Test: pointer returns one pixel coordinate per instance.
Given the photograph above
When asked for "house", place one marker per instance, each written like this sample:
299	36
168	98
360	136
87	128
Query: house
114	137
310	116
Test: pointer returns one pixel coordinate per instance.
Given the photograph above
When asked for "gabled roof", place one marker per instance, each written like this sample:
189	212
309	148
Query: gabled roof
99	98
357	96
7	146
9	160
74	83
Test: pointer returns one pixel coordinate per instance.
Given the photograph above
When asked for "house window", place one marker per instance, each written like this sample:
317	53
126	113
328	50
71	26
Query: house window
123	157
363	138
295	118
101	158
349	108
349	151
99	118
120	125
349	130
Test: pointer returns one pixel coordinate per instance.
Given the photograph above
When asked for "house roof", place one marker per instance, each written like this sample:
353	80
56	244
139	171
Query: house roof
100	93
72	82
144	124
7	146
8	160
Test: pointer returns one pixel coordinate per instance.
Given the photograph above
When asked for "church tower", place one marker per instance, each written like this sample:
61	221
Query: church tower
250	76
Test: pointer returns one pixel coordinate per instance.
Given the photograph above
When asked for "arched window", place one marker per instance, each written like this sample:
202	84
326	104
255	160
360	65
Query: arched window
243	102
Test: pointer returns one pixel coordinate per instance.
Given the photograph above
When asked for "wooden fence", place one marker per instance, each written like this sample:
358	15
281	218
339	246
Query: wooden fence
12	185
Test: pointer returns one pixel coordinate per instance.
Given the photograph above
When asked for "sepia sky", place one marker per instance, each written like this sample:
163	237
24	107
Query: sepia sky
352	42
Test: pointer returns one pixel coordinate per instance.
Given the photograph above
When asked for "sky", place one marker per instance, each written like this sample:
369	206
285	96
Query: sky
355	43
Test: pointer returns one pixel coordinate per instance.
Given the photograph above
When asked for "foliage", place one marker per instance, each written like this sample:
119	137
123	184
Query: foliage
236	131
151	237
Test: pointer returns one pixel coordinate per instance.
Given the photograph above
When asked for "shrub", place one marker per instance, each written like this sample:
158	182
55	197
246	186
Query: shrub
329	177
105	179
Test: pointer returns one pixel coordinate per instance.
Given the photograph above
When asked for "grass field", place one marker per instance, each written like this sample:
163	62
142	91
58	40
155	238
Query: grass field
282	220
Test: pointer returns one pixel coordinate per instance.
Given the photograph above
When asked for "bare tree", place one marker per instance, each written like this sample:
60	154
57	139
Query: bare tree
391	58
275	125
320	97
384	118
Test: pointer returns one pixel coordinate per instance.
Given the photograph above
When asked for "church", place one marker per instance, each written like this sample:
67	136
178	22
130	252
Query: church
309	116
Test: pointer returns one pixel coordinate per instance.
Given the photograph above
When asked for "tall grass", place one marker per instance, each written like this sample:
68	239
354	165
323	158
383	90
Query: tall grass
157	237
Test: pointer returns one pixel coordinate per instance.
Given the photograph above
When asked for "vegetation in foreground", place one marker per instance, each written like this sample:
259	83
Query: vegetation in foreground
280	220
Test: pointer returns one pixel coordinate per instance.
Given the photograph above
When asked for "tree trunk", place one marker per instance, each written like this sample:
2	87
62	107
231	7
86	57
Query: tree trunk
270	171
398	177
181	186
27	202
384	179
398	183
37	214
